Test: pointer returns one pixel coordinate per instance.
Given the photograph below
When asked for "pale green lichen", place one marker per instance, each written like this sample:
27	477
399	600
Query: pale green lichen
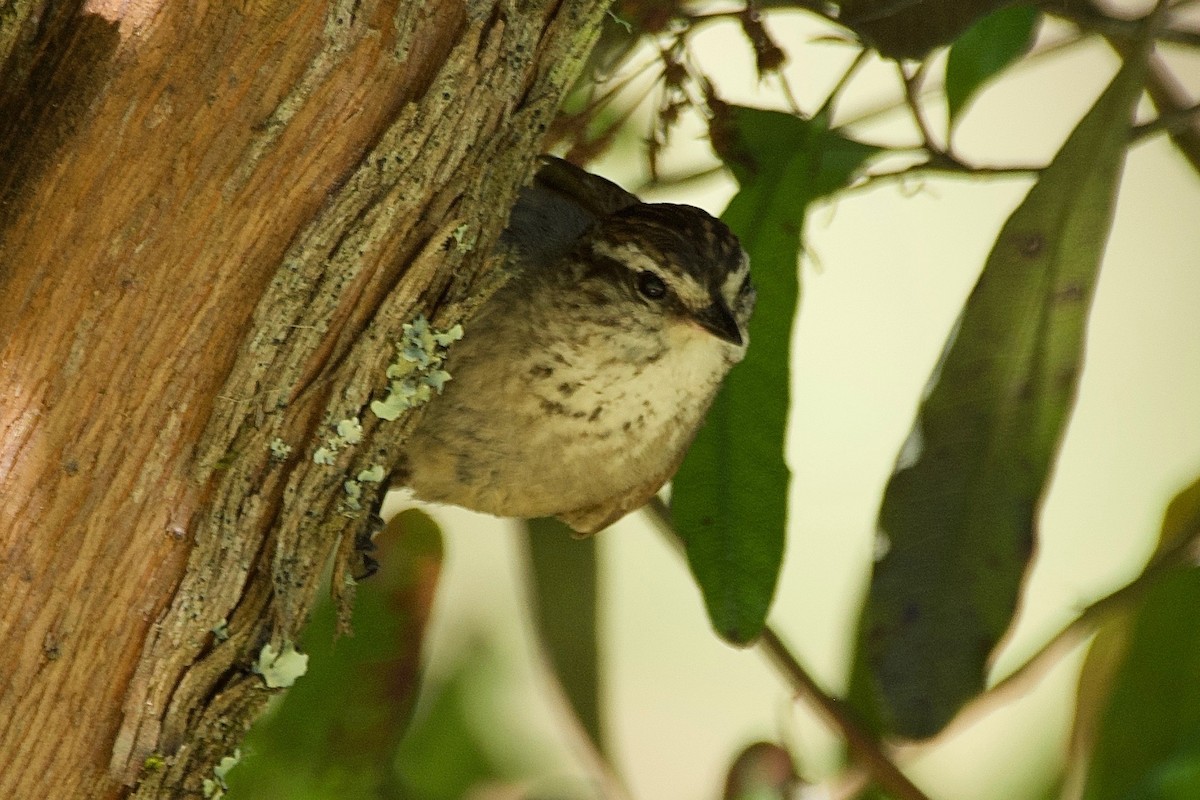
436	379
353	499
417	371
280	669
215	787
280	449
350	430
227	763
447	337
354	489
221	630
373	475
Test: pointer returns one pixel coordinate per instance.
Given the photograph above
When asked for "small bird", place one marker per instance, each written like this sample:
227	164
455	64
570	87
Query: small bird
581	382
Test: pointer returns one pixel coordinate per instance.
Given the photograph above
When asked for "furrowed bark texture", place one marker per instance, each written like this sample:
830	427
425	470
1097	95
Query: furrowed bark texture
214	220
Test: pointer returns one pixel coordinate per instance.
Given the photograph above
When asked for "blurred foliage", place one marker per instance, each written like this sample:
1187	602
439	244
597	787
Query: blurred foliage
762	771
334	734
462	741
563	572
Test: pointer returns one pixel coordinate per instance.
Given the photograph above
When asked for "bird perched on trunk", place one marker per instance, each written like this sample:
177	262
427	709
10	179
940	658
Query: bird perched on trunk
581	382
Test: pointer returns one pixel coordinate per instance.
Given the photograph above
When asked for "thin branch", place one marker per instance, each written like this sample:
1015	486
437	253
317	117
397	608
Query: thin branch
864	747
1181	554
859	59
601	770
1093	19
1041	51
1166	92
947	164
1170	98
912	99
942	165
786	87
1170	122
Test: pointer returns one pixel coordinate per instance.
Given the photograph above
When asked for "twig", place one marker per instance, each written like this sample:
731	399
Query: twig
864	747
607	779
912	99
1170	98
1182	553
859	59
1041	51
1094	20
945	166
1165	91
1170	122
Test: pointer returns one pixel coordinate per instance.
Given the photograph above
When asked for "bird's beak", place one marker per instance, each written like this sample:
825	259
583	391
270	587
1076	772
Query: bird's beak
718	320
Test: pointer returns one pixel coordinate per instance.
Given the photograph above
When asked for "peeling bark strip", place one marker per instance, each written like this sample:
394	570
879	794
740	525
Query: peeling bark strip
213	222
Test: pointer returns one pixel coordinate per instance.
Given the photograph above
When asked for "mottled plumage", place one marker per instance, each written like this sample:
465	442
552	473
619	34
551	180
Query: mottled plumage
579	385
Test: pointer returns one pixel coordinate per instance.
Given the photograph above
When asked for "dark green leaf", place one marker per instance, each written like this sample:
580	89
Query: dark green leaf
984	51
335	733
729	500
957	518
564	591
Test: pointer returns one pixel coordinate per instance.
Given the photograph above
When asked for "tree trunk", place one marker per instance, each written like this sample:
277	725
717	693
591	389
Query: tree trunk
214	220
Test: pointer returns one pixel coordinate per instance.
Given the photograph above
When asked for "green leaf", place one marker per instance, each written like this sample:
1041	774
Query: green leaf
984	51
1138	714
335	733
956	524
564	593
729	499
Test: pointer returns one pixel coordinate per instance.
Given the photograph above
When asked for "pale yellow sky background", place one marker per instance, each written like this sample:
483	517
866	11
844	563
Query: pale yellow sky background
893	267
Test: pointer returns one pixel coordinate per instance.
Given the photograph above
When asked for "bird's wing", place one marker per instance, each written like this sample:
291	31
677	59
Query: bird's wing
598	196
561	204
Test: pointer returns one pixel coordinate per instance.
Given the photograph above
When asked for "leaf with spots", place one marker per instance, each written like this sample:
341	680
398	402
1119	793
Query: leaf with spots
729	501
957	520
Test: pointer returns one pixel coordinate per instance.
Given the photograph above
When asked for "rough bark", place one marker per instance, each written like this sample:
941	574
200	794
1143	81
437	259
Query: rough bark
214	220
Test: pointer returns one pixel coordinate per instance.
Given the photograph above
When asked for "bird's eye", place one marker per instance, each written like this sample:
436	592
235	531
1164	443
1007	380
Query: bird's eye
650	285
